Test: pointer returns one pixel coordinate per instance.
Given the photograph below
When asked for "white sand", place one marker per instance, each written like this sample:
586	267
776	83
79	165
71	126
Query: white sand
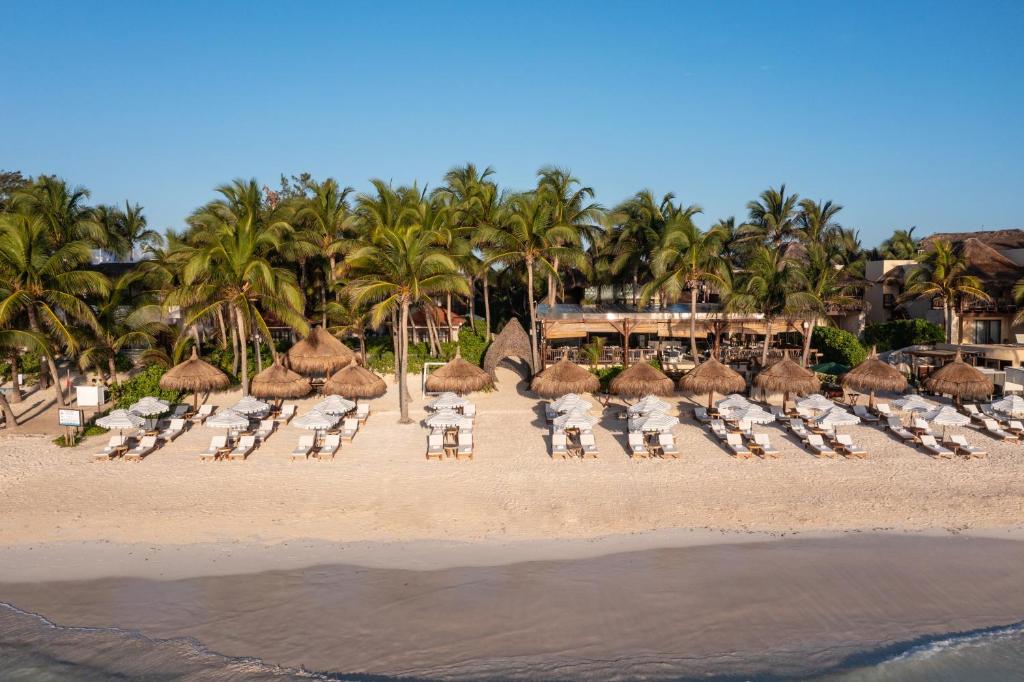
381	489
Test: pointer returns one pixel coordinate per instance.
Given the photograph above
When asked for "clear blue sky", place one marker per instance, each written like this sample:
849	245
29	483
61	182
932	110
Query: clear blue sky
907	113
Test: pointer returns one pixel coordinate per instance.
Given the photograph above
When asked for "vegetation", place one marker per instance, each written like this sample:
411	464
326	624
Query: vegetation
146	382
838	345
902	333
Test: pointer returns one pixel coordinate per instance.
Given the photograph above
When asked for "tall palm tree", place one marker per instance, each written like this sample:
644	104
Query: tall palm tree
687	258
900	246
827	285
816	221
942	273
572	206
13	341
62	210
638	228
771	218
327	219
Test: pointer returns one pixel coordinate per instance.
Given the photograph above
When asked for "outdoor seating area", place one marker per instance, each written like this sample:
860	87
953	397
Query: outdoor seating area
450	421
649	426
572	425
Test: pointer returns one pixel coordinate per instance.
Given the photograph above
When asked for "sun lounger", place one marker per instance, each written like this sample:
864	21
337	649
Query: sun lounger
267	427
179	411
701	415
804	413
817	445
845	444
637	448
864	415
922	427
559	445
245	446
992	428
175	428
469	410
114	443
882	410
929	444
329	448
764	440
204	412
349	428
963	448
777	412
286	413
303	447
216	443
1015	427
465	448
668	445
588	444
549	412
974	413
735	443
718	428
798	429
894	424
362	411
145	447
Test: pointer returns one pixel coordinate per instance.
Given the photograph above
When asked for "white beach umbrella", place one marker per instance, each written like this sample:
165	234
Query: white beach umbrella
314	420
752	414
446	401
913	402
655	421
836	416
816	402
120	420
648	404
149	406
570	401
945	416
574	420
1012	405
250	405
334	404
445	419
226	418
732	401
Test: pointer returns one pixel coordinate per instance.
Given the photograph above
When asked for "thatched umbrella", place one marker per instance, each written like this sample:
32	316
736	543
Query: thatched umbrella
319	353
355	382
511	342
278	382
642	379
194	375
959	380
786	376
458	376
712	377
564	377
874	375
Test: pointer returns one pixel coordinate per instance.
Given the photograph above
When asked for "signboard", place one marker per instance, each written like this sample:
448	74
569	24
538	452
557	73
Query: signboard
91	396
70	417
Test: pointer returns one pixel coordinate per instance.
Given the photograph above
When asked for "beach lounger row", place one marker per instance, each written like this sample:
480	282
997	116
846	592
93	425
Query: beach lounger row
561	448
638	449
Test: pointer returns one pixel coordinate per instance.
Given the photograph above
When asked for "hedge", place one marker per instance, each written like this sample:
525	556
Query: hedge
838	345
902	333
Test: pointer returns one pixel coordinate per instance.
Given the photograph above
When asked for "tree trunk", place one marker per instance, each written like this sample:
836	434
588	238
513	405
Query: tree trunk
9	419
448	314
332	263
533	315
112	368
234	349
807	340
403	378
947	320
552	284
323	305
16	394
487	304
693	323
259	355
767	342
636	282
44	373
223	328
361	335
243	355
472	302
49	364
432	338
395	345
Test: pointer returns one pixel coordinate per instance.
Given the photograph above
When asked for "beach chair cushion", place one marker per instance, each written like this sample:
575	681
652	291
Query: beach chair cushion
559	444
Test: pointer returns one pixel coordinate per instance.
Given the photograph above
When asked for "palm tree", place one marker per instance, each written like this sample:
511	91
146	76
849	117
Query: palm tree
638	227
404	267
62	211
900	246
771	218
942	273
14	340
816	221
327	220
686	259
43	281
827	284
572	207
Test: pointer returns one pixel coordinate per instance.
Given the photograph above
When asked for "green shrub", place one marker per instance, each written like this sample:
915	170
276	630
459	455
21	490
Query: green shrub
146	382
606	374
838	345
902	333
472	342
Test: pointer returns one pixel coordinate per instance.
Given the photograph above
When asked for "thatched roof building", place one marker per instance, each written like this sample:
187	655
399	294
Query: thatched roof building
319	353
711	377
458	376
874	375
277	381
355	382
642	379
786	376
564	377
511	342
959	380
195	375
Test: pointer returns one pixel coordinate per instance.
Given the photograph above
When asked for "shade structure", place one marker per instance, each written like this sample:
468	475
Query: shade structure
712	377
836	416
149	407
959	380
1012	405
564	377
319	353
249	405
334	404
194	375
914	403
120	420
574	420
459	376
732	401
786	376
568	401
227	418
641	379
447	418
751	414
649	403
874	375
355	382
277	382
511	342
816	402
446	401
314	420
655	421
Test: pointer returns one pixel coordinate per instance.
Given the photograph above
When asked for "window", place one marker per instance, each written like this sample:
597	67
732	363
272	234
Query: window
888	301
937	303
988	331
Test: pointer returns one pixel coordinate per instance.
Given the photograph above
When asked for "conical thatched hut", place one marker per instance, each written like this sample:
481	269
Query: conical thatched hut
959	380
642	379
355	382
511	342
711	377
874	375
564	377
194	375
319	353
458	376
786	376
277	381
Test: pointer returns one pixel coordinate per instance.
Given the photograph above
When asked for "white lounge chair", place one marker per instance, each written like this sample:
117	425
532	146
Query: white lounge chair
549	412
179	411
804	413
929	444
588	443
469	410
267	427
894	424
286	413
993	429
718	428
849	448
637	447
764	440
329	448
777	412
349	428
175	428
818	445
883	410
559	445
1015	427
465	448
203	412
303	447
864	415
145	447
974	413
964	448
435	445
668	445
735	443
112	444
362	411
701	415
922	426
798	429
245	446
216	443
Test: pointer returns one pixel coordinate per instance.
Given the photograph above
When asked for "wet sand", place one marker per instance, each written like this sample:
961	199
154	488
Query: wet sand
788	606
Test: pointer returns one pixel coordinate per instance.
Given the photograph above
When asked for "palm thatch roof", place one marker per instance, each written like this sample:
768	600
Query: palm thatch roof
874	375
458	376
320	352
355	382
564	377
959	380
642	379
787	376
511	342
194	375
277	381
711	376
